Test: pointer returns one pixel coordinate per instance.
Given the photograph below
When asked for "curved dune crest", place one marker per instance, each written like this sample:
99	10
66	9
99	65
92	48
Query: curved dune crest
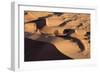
69	48
66	47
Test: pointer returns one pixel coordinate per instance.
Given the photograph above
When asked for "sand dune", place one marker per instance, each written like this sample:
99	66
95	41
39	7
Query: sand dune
55	26
70	49
33	15
66	47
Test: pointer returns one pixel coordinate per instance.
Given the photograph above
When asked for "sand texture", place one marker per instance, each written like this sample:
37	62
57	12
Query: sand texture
69	33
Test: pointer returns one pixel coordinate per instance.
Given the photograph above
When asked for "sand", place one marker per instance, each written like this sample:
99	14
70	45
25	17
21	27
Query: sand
54	26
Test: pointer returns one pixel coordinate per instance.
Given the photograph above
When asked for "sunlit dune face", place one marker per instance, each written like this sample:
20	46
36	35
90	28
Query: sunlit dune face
54	20
30	27
30	15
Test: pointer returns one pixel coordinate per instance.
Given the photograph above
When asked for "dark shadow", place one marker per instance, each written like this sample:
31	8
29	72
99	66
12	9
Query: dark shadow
88	36
40	23
39	51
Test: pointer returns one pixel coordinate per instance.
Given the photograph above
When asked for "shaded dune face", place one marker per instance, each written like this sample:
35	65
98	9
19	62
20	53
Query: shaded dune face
37	50
56	36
